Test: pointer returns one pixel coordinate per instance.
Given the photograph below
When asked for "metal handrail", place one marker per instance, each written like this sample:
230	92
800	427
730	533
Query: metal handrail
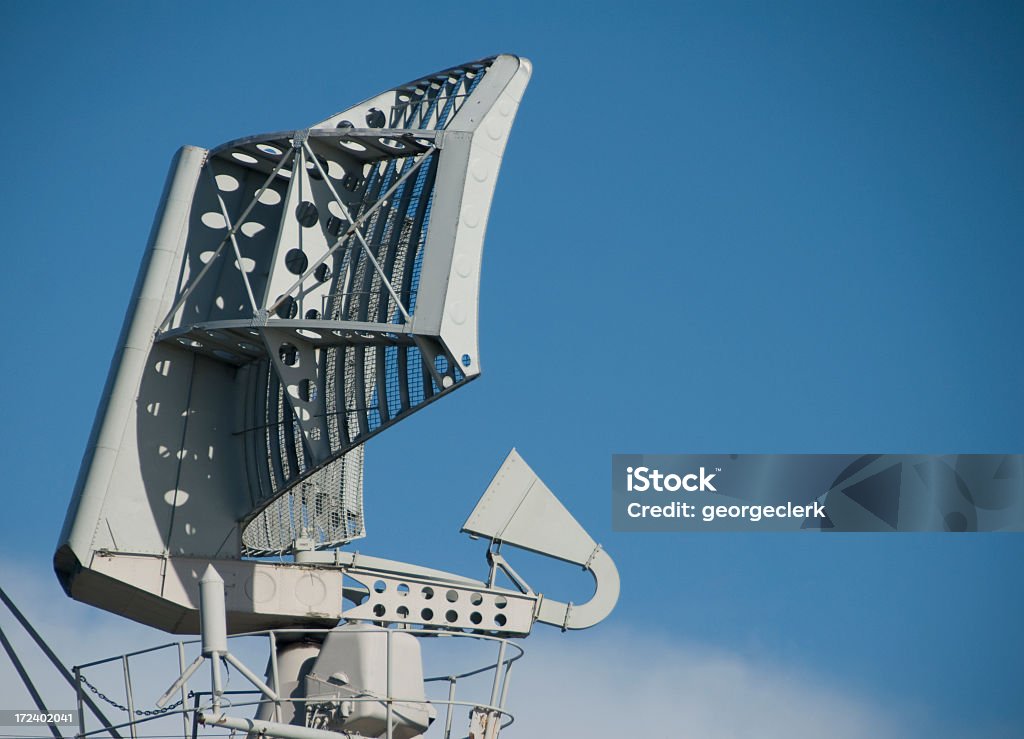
494	706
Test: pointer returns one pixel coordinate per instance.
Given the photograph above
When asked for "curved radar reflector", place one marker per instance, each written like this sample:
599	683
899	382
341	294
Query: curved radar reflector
302	291
517	508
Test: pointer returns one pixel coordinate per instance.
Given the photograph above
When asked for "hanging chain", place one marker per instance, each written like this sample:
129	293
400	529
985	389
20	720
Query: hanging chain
138	711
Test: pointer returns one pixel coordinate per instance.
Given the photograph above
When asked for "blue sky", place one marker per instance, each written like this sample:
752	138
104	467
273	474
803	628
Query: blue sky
719	227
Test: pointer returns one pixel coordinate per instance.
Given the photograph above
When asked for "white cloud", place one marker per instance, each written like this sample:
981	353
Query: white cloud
627	684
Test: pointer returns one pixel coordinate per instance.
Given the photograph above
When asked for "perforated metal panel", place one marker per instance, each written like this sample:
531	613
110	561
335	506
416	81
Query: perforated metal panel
302	291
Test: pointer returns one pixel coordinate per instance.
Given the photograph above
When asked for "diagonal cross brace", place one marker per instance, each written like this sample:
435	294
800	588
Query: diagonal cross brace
354	228
193	284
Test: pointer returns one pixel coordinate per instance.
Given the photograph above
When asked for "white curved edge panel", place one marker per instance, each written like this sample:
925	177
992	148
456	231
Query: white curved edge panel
360	114
134	500
116	413
474	144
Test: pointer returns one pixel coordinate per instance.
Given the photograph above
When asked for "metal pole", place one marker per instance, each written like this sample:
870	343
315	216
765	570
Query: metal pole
128	694
504	686
213	627
250	676
448	715
72	681
215	680
493	716
257	727
81	710
274	680
179	684
184	695
388	673
497	673
504	695
20	669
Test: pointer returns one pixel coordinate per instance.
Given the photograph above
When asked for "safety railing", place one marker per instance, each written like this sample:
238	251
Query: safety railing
167	664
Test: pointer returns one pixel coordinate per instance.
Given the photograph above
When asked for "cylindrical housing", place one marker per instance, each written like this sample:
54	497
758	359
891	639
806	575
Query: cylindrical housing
212	618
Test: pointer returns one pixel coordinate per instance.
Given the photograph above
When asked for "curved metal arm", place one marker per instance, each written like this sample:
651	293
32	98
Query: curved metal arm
583	616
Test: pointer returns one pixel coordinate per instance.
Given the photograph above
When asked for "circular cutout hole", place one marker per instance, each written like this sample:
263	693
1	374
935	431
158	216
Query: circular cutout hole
251	228
226	183
213	220
306	214
243	157
322	273
500	602
314	171
452	596
466	360
345	124
296	261
402	612
379	610
376	118
289	355
427	615
476	599
353	145
441	363
268	149
403	589
336	226
500	619
451	617
288	308
475	617
428	593
380	586
269	197
312	314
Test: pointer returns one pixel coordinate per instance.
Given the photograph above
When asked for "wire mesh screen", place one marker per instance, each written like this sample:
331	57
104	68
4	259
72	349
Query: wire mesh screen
372	375
326	507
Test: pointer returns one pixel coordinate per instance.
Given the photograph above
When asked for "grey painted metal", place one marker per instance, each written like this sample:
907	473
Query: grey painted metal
519	509
303	291
129	696
212	613
429	602
408	694
243	387
71	678
256	727
19	668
